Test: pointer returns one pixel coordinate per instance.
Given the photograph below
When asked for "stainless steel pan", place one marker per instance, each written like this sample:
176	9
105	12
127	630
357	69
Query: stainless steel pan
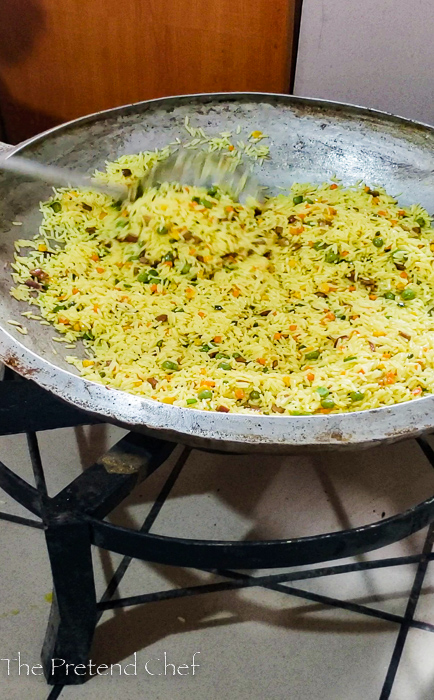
310	140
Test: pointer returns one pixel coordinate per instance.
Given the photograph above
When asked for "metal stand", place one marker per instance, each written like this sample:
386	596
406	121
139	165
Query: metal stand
74	520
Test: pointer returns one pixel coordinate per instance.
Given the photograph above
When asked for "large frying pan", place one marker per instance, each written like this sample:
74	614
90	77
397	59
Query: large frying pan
310	141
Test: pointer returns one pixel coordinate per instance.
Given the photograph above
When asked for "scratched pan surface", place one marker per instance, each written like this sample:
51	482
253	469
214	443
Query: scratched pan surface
310	141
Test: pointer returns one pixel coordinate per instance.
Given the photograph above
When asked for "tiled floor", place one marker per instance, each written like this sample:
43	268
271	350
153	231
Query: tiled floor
253	643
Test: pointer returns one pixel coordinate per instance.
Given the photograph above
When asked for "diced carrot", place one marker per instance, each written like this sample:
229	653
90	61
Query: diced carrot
330	316
169	263
393	222
207	382
95	308
100	270
375	200
217	339
229	208
190	293
192	251
373	297
417	391
390	378
334	186
332	211
88	363
75	290
386	355
235	292
277	336
94	257
352	288
261	360
302	215
361	371
401	212
231	147
239	393
202	314
382	212
62	319
344	253
366	188
403	274
310	376
293	327
153	288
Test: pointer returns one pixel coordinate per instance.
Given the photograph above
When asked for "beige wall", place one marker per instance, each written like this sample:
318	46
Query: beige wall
376	53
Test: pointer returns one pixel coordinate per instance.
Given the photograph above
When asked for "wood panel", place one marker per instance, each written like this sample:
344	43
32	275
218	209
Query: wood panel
60	60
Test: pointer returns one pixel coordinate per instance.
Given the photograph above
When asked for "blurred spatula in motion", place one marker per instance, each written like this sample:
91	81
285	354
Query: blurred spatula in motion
185	167
202	169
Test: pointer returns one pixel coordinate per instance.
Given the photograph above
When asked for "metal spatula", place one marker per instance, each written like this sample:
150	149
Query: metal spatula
204	169
185	167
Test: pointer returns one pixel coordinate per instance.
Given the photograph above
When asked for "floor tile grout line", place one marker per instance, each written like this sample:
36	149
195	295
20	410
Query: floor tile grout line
18	520
146	526
408	616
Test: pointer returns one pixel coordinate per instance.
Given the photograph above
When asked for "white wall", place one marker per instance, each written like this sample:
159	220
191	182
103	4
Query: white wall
375	53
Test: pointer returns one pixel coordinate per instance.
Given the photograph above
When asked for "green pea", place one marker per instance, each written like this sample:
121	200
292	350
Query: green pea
168	257
121	224
331	256
322	391
190	401
205	348
298	199
196	199
152	273
254	395
214	192
348	359
309	201
265	370
206	203
167	364
301	413
221	355
186	268
356	396
56	207
327	403
378	242
408	294
143	277
236	354
224	365
421	221
204	394
314	355
117	205
319	245
162	230
389	295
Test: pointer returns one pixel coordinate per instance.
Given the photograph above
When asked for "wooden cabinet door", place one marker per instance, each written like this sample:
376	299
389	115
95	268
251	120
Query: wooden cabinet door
60	59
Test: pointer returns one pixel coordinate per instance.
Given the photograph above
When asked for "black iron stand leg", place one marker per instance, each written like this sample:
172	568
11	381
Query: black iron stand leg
73	615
